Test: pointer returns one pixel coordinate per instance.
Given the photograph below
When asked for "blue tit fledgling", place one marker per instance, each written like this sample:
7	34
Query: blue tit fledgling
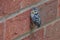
35	17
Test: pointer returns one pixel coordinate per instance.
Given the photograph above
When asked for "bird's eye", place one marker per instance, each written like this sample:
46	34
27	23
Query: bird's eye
35	11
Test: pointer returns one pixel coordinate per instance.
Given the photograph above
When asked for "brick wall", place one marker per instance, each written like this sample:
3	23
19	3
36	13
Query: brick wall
15	20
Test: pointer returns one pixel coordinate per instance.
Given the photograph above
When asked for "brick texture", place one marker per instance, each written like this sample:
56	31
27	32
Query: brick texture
58	8
1	31
48	11
20	24
52	31
10	6
36	35
25	3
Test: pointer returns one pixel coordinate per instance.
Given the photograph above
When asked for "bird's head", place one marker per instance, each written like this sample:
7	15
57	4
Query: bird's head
34	10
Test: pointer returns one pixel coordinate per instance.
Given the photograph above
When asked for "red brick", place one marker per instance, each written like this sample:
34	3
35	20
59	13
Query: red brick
53	31
48	11
18	25
9	6
36	35
1	31
58	11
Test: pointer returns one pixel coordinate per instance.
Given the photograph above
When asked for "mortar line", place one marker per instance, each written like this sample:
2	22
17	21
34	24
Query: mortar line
23	10
4	31
44	36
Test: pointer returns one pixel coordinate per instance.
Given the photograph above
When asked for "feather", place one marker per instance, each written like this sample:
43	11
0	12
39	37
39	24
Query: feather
36	17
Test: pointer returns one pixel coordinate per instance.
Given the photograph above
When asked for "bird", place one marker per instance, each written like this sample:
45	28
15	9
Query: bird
35	17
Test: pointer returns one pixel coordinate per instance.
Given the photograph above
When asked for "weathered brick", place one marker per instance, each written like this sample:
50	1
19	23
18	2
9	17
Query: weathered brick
19	24
53	31
1	31
38	35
